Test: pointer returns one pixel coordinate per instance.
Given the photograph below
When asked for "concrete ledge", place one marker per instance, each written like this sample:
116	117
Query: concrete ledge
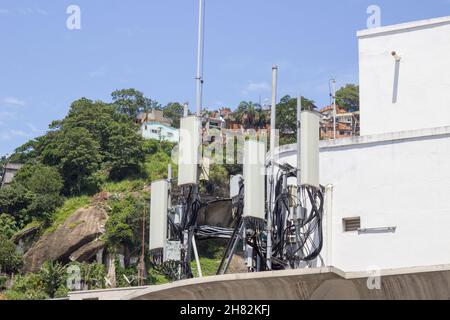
286	284
365	141
403	27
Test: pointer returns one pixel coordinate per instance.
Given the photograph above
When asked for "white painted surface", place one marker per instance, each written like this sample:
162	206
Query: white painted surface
309	159
158	214
159	131
189	150
254	176
400	180
422	97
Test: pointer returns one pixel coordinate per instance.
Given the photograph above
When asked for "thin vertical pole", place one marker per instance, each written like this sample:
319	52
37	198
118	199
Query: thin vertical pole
199	78
299	153
334	109
142	264
272	158
197	259
186	110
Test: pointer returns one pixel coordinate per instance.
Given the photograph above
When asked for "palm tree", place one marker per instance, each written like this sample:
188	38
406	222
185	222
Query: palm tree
249	114
52	275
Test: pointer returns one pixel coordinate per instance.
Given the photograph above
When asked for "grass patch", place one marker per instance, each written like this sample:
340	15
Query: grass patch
209	266
69	207
127	185
210	253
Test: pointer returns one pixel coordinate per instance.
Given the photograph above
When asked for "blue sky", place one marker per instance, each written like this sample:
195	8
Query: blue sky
151	45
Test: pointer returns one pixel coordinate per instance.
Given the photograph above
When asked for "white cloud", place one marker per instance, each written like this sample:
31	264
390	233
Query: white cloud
6	115
33	128
42	12
98	73
5	136
256	87
12	101
19	133
23	12
13	133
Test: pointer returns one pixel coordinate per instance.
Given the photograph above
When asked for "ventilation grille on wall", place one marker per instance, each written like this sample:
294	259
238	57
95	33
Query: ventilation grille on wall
352	224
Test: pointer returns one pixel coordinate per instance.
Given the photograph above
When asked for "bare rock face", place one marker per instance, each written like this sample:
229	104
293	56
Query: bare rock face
81	228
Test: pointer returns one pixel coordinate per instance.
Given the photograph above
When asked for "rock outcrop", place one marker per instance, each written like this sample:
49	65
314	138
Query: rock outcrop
81	228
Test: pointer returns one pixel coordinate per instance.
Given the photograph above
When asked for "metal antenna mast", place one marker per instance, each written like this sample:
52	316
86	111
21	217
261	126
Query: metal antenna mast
199	78
272	158
334	108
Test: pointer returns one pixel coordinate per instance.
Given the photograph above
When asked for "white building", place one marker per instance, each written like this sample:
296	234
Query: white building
159	131
395	178
410	93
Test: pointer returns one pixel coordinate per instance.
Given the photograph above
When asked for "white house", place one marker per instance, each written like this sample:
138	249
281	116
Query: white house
394	180
159	131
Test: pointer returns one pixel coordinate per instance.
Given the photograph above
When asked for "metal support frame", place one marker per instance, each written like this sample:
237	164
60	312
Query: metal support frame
231	248
197	260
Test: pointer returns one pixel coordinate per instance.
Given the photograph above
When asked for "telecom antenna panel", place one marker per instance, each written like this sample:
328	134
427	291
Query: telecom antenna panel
309	155
189	150
254	179
158	219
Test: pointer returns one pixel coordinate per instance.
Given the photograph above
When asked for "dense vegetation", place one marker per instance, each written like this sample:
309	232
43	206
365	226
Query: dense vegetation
97	148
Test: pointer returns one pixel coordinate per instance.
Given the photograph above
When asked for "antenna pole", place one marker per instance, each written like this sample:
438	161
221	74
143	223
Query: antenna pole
299	147
334	109
272	159
199	78
142	260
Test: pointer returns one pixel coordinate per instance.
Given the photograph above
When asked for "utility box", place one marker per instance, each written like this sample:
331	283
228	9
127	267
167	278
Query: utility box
189	150
309	154
254	179
158	214
173	251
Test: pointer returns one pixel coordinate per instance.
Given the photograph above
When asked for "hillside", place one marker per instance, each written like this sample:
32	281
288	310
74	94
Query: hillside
80	200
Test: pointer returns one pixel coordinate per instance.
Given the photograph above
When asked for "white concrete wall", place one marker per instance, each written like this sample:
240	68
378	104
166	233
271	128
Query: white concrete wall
423	77
400	180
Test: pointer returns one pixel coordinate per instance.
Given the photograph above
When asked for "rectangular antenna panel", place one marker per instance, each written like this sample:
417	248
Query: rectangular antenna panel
189	150
158	214
254	179
309	159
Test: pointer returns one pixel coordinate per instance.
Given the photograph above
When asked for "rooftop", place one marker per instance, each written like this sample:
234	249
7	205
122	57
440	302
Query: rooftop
404	27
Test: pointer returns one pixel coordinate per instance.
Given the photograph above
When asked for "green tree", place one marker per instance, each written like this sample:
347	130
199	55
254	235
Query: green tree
125	151
131	102
40	179
347	97
53	275
14	200
123	227
8	226
218	183
119	144
286	120
10	260
250	115
174	111
27	287
34	194
79	157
